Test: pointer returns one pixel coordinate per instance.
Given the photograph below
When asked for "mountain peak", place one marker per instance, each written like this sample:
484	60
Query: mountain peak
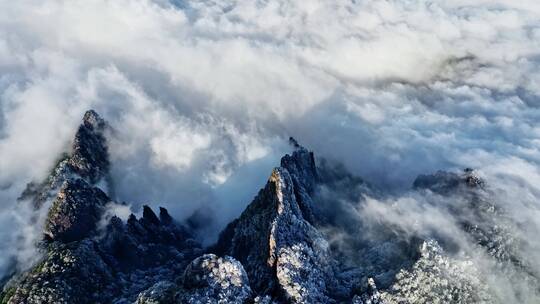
443	182
149	215
301	166
301	162
92	120
283	254
88	160
89	157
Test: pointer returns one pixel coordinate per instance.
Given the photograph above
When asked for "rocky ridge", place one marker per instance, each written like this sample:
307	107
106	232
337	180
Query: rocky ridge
279	250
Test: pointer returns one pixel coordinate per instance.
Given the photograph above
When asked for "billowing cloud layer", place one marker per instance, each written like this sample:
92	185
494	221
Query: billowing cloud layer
201	94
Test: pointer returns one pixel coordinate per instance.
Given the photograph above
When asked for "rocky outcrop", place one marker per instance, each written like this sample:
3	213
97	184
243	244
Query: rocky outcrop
485	222
147	242
488	228
444	182
87	160
283	254
211	279
126	260
69	273
89	157
437	278
85	263
303	172
75	212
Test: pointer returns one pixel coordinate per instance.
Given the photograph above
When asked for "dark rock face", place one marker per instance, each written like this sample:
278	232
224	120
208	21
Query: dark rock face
72	273
84	263
75	212
125	261
89	156
88	160
283	254
143	243
304	175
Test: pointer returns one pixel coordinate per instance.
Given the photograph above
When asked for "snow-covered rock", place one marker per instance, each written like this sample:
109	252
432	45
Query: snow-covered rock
438	278
212	279
282	252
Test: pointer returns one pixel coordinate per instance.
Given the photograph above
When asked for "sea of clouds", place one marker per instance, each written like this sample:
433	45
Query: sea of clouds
203	94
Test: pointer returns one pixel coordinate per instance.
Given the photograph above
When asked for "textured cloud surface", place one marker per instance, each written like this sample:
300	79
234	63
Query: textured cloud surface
201	94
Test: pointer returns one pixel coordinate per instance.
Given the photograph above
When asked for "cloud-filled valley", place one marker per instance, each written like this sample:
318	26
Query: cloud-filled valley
202	96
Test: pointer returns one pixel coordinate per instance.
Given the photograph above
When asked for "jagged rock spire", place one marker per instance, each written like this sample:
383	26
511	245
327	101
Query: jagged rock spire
93	121
301	165
89	157
75	212
293	142
281	251
78	204
303	171
149	216
164	216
